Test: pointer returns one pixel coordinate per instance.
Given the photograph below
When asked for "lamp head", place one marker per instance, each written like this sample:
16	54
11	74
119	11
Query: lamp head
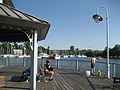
97	18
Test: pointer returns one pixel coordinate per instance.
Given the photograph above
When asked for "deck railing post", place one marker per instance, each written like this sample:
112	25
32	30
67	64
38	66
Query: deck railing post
113	69
57	63
24	62
43	62
7	61
77	65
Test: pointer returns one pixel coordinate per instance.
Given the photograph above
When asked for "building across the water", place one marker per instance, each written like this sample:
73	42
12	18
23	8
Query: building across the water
17	52
71	47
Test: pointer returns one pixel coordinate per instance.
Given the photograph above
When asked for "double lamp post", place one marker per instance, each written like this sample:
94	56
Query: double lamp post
98	19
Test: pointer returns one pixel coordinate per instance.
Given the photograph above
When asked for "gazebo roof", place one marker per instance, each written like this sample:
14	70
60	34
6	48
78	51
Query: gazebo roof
14	25
8	2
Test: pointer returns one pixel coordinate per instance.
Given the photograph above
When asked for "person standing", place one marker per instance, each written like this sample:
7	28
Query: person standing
93	65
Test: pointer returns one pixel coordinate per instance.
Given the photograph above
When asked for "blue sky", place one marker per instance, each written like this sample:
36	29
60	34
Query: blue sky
72	23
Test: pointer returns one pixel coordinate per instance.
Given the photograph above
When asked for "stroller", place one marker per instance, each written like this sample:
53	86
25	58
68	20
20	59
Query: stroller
25	75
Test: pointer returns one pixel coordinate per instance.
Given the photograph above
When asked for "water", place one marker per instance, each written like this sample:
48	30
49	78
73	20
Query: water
68	63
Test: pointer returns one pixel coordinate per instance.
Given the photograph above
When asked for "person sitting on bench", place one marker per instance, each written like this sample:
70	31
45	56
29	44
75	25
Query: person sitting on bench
48	70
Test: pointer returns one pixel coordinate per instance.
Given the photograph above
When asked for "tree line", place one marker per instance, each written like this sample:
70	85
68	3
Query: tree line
7	48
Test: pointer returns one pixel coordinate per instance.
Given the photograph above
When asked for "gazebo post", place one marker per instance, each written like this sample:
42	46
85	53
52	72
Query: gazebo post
1	1
18	29
33	66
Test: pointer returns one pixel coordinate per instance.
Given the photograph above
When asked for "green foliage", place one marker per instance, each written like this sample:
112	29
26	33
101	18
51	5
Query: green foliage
7	48
115	52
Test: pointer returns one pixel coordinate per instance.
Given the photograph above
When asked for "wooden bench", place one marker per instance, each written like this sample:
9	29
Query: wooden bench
116	80
2	81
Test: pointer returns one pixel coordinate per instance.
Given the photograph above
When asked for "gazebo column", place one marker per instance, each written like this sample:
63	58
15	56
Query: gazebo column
1	1
33	66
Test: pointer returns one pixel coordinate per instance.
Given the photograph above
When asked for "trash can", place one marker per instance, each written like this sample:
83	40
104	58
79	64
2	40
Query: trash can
99	73
88	73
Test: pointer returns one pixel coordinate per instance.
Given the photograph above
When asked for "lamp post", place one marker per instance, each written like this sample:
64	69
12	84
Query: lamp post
97	19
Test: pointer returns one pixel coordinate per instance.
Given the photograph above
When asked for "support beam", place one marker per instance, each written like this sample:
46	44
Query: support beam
33	65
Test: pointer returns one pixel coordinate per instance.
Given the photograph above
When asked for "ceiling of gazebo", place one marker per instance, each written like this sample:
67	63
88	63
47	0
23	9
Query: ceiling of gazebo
14	25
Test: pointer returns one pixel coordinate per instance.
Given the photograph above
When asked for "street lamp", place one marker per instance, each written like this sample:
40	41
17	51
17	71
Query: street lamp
98	19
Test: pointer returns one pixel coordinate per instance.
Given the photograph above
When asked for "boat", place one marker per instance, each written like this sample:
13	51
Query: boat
7	55
27	56
4	55
78	56
12	56
98	58
43	55
83	56
21	56
71	56
65	56
55	56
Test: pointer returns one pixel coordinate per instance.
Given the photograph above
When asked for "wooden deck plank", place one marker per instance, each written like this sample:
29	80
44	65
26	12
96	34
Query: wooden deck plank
76	80
63	80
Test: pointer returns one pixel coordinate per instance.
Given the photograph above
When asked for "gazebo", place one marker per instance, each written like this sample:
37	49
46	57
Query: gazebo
17	26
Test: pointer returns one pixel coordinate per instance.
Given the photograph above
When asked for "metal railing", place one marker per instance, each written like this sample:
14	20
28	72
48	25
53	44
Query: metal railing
82	65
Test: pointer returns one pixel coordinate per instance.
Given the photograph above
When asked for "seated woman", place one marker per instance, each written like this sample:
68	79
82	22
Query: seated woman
48	70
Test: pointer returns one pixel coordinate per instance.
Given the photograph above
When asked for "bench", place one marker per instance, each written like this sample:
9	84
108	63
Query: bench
116	80
2	81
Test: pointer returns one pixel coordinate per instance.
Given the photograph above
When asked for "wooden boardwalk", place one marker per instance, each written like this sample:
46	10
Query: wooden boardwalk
63	80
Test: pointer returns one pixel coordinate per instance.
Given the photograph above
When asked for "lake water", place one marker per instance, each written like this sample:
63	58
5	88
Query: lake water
68	63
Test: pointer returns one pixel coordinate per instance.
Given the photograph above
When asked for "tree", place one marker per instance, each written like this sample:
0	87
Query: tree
89	53
15	45
27	48
115	52
48	50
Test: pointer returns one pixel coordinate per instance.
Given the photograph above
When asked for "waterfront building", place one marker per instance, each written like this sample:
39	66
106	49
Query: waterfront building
71	47
17	52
